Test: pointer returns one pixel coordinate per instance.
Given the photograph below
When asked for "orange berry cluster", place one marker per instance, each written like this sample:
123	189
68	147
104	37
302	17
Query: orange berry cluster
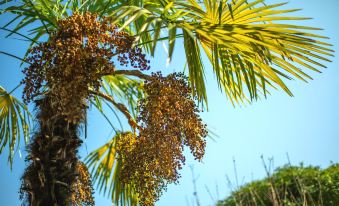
75	58
169	121
82	190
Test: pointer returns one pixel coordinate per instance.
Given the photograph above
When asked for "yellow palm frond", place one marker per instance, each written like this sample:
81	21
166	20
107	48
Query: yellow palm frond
14	123
250	45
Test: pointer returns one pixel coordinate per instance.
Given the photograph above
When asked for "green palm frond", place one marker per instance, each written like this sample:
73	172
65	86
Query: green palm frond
38	16
195	66
14	123
249	44
105	170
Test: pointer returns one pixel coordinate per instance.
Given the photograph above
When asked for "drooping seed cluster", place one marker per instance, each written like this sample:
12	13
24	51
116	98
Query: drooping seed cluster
82	190
75	58
169	121
125	144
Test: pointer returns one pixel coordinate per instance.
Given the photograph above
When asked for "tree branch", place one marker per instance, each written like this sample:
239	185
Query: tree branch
123	109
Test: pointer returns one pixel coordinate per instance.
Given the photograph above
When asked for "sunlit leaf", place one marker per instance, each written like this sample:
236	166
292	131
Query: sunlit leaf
14	123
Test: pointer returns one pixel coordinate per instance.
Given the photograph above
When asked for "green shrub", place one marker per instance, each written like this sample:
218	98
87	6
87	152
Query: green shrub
290	186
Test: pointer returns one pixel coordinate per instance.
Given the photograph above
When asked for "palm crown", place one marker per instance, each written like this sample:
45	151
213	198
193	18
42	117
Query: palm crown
250	46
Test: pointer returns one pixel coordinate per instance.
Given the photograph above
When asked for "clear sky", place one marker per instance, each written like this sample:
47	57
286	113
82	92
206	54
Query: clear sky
305	126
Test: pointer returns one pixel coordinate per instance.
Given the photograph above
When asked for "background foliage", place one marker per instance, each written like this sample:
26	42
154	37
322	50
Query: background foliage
290	185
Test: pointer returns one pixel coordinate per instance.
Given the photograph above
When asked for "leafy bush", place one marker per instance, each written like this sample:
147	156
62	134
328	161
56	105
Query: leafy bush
290	185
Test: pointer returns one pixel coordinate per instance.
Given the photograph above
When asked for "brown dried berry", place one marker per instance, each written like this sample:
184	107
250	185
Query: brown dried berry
169	121
74	59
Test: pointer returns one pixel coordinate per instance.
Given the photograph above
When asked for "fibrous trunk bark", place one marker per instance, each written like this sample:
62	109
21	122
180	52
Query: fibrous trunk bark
52	158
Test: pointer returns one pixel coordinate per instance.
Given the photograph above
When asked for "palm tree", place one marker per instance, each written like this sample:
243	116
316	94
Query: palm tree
250	47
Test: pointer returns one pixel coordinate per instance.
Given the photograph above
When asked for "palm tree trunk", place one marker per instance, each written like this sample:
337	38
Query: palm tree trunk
52	171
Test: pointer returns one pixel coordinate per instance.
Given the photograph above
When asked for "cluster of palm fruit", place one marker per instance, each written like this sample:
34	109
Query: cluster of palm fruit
168	121
82	188
75	58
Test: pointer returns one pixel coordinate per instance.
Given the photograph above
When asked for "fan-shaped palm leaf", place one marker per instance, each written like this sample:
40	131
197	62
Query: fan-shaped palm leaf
14	123
250	45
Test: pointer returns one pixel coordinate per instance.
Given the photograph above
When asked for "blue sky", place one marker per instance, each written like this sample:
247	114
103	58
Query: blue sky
304	126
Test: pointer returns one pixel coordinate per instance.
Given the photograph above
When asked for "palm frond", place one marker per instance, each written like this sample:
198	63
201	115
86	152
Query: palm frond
195	66
250	49
250	46
38	18
105	170
14	123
